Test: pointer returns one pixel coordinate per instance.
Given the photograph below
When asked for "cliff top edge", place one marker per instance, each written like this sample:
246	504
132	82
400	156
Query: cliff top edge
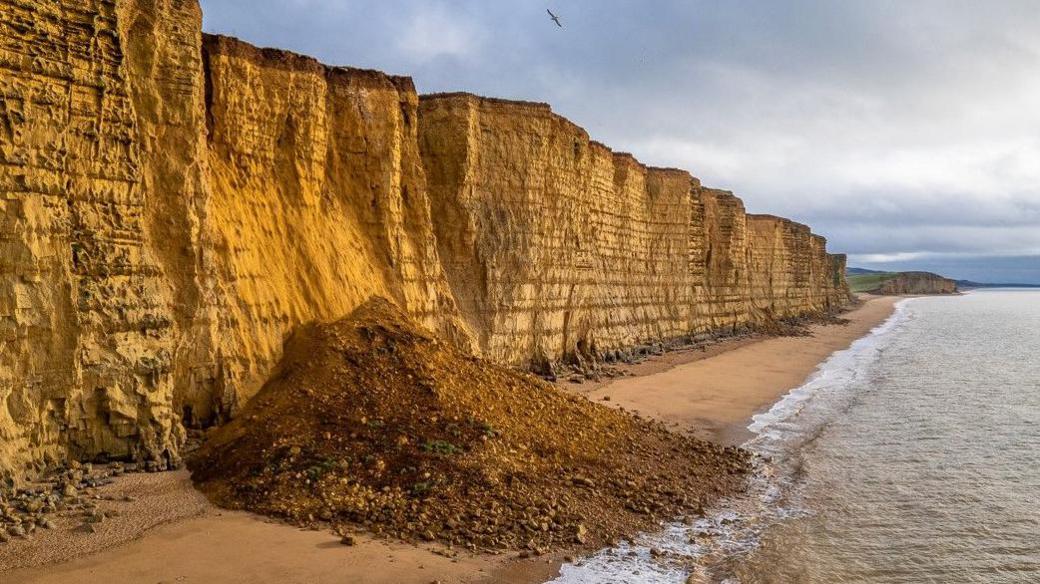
473	97
228	46
546	109
768	217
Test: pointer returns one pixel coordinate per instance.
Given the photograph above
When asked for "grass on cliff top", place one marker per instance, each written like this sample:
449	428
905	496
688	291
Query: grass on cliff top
373	424
869	282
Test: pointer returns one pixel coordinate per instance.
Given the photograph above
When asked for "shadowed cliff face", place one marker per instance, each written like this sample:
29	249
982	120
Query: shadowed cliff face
174	206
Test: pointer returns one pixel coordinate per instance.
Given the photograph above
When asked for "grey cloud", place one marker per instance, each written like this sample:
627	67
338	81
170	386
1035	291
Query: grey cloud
892	127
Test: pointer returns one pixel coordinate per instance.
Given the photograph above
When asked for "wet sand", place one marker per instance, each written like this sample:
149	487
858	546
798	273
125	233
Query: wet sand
170	534
714	393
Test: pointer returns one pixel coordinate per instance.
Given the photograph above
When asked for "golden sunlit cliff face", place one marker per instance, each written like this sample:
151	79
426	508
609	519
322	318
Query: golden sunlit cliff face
174	205
98	272
317	202
551	243
558	249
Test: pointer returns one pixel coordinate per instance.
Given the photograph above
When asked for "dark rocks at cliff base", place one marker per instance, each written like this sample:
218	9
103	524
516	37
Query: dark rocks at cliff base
613	364
373	424
65	491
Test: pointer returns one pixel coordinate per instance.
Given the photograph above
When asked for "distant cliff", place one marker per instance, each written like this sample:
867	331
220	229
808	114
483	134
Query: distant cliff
175	205
918	283
899	283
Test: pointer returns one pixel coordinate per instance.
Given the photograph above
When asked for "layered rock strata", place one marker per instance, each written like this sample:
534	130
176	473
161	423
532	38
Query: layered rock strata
175	205
790	271
552	243
725	303
87	300
558	249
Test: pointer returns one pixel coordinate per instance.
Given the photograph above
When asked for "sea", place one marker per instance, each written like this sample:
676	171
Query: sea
913	456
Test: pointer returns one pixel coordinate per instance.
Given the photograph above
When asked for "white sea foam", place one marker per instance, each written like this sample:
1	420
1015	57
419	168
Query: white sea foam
913	457
699	552
799	415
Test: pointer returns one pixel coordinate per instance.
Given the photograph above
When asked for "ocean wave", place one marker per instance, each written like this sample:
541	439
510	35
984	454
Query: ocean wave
703	550
799	417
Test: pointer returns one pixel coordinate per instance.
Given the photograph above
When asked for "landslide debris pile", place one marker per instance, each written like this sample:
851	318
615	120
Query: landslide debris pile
372	423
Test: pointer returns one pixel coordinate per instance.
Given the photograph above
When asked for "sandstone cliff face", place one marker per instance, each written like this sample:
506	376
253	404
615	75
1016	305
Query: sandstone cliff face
317	202
87	322
917	283
724	301
555	247
170	214
174	205
558	249
790	271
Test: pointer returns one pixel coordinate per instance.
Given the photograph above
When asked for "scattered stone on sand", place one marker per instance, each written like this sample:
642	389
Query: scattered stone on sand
64	490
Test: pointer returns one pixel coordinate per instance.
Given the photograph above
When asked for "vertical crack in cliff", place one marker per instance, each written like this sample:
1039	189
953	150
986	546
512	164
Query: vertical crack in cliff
207	80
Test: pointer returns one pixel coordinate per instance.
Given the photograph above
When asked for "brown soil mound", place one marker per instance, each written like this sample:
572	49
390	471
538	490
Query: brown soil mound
372	422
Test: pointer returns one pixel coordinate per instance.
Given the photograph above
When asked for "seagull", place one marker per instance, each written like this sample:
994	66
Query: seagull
554	18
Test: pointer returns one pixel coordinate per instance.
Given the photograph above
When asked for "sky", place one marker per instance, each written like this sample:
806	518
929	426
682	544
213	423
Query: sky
907	132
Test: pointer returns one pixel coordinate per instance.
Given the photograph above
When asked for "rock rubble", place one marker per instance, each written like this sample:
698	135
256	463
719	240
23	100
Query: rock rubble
373	424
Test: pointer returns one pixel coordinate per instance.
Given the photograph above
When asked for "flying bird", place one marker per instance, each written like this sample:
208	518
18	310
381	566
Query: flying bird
554	18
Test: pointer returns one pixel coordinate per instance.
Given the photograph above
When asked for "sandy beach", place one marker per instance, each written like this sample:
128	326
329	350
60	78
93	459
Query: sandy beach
160	516
168	518
715	392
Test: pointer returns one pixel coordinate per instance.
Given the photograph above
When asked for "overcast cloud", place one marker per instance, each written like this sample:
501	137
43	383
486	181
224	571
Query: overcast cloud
907	132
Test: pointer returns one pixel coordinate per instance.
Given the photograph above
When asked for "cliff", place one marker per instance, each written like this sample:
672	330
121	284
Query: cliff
917	283
899	283
554	246
92	306
173	208
317	202
175	205
791	273
558	249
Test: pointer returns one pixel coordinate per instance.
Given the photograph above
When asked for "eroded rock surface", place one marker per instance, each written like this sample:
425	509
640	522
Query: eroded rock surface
174	206
88	327
551	242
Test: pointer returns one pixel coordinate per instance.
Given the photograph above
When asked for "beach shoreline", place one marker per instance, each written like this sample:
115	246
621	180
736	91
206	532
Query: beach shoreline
712	391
